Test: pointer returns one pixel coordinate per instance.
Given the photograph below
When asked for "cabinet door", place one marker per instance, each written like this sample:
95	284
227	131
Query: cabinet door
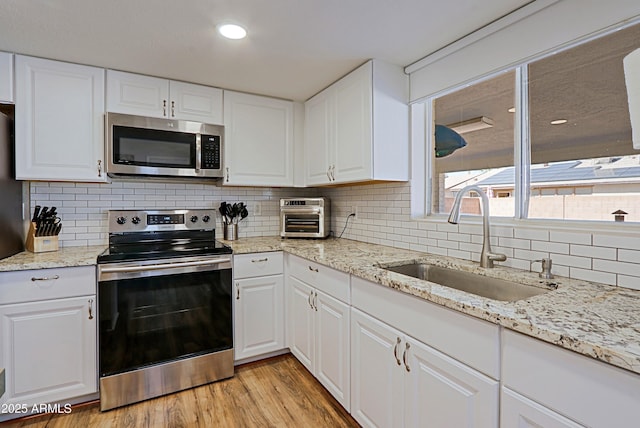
259	316
332	358
195	102
518	411
318	138
49	350
301	315
258	140
353	126
130	93
6	77
440	391
376	373
59	121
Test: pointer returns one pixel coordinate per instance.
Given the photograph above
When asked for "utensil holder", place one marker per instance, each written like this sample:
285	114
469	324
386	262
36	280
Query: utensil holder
230	232
40	244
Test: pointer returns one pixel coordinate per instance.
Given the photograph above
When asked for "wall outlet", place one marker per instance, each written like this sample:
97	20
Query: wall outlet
257	208
354	210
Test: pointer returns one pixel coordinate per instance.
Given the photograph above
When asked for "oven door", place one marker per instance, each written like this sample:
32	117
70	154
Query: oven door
154	312
301	223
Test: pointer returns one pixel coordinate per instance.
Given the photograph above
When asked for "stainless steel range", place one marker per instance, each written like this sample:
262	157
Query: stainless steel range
164	298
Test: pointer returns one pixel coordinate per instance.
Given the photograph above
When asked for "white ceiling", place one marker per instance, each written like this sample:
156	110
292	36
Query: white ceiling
294	48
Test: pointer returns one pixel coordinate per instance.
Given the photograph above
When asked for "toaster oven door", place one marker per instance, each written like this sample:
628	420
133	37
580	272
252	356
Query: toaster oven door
301	224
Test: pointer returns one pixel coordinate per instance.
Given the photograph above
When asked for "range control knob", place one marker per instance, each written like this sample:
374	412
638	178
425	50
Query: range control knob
206	218
121	220
135	220
194	218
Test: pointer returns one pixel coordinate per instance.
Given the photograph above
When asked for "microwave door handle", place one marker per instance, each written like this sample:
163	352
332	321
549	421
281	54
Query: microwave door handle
198	152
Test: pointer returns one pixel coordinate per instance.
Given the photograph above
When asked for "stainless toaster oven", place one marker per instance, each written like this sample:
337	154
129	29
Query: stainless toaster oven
305	217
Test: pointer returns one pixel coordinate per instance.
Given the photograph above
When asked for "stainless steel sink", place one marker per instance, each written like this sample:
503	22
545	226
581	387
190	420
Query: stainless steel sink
480	285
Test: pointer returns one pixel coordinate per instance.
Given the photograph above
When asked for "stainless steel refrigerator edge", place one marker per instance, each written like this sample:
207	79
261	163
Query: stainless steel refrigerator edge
11	217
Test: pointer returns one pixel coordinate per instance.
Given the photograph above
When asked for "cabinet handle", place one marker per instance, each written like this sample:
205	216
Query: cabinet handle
173	109
395	350
90	309
309	299
227	168
46	278
315	301
237	291
266	259
99	168
164	107
329	173
404	356
312	269
333	172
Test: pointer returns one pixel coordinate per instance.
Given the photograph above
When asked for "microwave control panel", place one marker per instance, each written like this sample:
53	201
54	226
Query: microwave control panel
210	151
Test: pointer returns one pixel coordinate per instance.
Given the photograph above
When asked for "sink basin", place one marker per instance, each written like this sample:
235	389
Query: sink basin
480	285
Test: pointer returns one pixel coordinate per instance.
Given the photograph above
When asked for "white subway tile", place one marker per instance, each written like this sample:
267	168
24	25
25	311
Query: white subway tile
533	234
630	256
447	244
523	244
503	231
458	237
551	247
595	252
465	255
627	281
632	269
592	275
617	241
570	237
571	261
529	255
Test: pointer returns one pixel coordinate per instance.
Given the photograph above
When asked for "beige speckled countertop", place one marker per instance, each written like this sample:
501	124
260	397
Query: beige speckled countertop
596	320
64	257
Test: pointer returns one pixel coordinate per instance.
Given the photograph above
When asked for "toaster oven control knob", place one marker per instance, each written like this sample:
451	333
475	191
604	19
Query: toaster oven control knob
206	218
135	220
121	220
194	218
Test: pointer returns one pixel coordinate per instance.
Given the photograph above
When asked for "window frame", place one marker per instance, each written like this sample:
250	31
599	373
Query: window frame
422	120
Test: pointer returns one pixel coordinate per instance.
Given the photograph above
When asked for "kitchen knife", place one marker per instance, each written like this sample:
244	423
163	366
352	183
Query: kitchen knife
36	213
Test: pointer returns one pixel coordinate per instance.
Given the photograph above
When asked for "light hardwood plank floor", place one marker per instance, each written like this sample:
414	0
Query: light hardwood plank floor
277	392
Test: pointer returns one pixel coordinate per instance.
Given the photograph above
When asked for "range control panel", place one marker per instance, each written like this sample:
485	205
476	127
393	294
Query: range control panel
121	221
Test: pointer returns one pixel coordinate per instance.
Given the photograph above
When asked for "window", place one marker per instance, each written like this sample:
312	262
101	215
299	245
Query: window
578	159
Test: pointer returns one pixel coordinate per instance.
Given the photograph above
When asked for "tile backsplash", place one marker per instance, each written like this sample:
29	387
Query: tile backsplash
384	217
83	207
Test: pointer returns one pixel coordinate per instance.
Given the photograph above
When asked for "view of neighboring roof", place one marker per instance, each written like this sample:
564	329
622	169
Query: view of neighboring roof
567	172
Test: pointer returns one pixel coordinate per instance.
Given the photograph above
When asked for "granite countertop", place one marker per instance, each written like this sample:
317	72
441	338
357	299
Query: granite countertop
592	319
64	257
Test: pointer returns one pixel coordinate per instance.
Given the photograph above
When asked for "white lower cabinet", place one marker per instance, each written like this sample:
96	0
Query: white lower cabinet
319	324
519	411
48	336
399	381
258	304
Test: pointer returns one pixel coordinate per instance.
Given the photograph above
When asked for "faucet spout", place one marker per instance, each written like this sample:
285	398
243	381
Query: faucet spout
487	257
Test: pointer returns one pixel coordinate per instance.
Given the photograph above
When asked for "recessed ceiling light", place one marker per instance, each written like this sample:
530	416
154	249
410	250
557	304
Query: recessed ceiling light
232	31
512	110
559	121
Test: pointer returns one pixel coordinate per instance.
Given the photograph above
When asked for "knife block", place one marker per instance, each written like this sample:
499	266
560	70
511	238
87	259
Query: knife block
40	244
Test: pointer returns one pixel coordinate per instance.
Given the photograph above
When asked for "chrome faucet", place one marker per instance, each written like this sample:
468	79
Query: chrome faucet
487	257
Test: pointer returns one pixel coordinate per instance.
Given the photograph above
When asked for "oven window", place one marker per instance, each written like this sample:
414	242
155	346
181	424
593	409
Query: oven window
302	223
153	148
151	320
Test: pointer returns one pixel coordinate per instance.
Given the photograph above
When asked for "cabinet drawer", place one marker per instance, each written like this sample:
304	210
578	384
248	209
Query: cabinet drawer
257	264
333	282
45	284
588	391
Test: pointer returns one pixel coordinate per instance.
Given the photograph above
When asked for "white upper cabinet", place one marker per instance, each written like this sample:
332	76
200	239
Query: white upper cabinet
6	77
358	128
59	126
258	147
130	93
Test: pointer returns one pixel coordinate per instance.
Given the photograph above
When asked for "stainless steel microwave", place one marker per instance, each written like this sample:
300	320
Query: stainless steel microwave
138	145
305	217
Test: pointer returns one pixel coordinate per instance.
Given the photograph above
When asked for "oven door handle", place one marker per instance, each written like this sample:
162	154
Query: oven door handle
163	266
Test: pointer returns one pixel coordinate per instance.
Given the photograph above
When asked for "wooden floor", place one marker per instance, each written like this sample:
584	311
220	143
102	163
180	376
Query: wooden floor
278	392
